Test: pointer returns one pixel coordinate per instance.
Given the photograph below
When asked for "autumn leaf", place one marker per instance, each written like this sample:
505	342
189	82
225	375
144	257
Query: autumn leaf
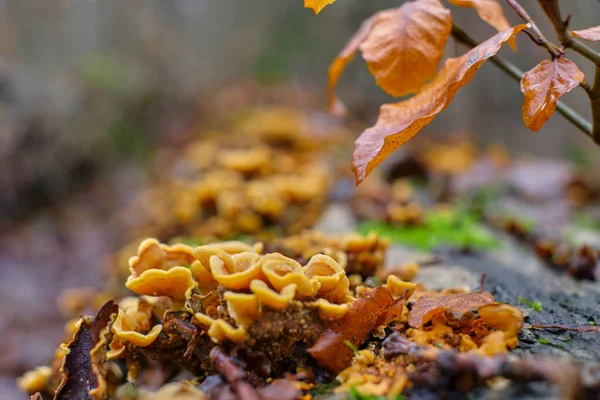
317	5
426	307
590	34
543	85
399	122
83	370
365	314
491	12
402	47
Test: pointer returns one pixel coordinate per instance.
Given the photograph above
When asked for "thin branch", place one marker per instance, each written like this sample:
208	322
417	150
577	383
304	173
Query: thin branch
552	10
514	72
541	39
572	379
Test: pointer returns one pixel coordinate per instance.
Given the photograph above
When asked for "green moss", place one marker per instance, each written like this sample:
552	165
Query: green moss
549	343
354	394
584	220
439	228
323	388
536	305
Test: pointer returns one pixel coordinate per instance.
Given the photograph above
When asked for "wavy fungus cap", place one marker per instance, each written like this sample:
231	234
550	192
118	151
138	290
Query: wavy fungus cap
335	286
242	307
400	288
219	330
282	271
154	255
237	271
270	298
125	327
176	283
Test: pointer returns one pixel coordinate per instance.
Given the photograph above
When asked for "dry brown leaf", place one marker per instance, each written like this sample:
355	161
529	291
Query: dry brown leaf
365	314
402	47
81	377
543	85
590	34
317	5
427	307
491	12
399	122
338	65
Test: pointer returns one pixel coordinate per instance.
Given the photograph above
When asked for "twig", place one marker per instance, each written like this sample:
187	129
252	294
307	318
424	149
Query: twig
514	72
566	375
574	328
552	10
234	375
541	39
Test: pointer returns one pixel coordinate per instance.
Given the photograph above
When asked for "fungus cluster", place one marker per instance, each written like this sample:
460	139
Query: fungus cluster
277	315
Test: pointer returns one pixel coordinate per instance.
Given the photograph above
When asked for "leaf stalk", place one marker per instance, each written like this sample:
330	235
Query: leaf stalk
514	72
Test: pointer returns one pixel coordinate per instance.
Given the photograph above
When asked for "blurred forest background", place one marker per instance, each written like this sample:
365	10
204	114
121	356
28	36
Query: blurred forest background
89	89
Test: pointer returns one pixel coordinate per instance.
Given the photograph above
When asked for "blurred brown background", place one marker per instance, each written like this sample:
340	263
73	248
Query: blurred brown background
90	88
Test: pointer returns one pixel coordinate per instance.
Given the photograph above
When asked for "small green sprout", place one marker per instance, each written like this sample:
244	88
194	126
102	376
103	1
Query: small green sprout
536	305
352	347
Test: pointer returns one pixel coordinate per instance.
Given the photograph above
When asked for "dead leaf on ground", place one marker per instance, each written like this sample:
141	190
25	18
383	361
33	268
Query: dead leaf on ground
399	122
377	308
402	47
317	5
542	87
82	379
427	307
280	389
491	12
590	34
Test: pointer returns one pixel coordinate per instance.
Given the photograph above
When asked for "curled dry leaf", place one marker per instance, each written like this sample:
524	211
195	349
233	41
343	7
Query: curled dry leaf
427	307
590	34
377	308
83	376
317	5
491	12
543	85
402	47
399	122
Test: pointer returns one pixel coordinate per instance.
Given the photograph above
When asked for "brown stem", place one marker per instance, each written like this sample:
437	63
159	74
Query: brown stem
552	10
541	39
514	72
235	376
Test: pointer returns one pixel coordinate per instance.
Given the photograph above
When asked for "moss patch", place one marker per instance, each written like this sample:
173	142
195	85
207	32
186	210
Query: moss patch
439	228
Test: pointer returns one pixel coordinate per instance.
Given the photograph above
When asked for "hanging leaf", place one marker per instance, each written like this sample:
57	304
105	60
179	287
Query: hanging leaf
590	34
491	12
317	5
399	122
543	85
402	47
